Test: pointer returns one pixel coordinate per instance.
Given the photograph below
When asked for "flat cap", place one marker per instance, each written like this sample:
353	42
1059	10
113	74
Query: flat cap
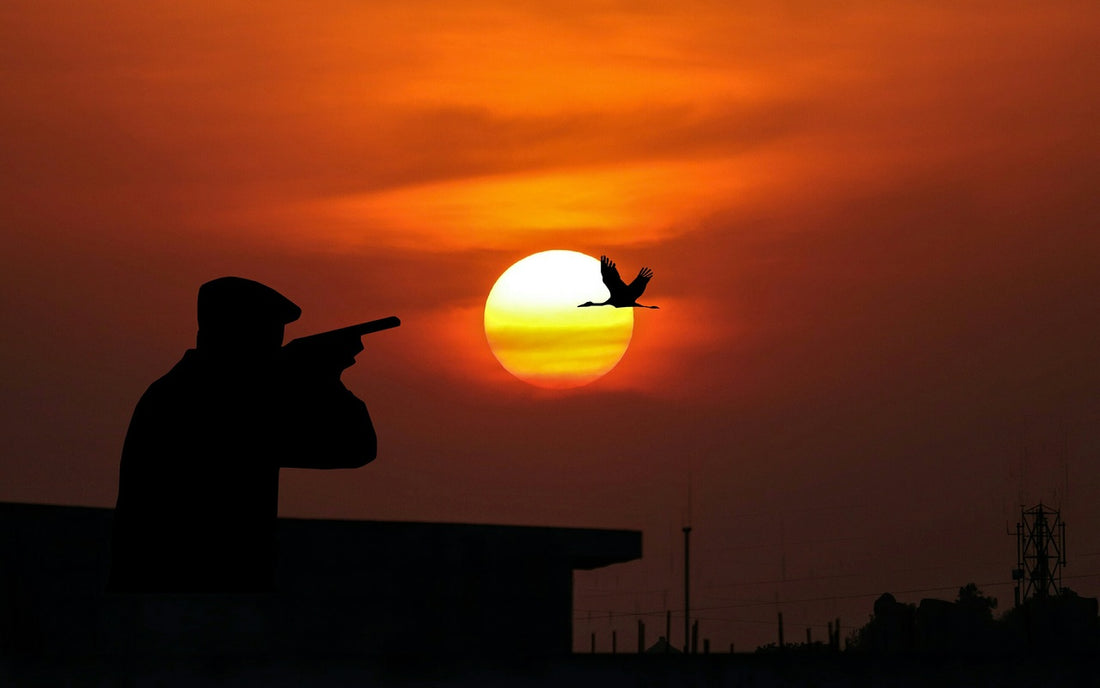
236	302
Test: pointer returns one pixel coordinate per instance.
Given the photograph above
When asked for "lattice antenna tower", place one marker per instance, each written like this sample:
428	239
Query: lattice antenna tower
1040	553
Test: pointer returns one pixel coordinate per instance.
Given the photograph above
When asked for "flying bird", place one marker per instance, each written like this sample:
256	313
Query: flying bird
623	295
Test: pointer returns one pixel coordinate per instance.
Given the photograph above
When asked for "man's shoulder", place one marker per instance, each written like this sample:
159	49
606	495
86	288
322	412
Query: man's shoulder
183	374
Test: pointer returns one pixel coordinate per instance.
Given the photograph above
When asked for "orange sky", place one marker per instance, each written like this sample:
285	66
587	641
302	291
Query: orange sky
873	227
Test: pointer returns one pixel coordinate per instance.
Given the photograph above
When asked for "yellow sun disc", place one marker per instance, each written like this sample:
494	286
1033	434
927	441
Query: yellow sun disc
538	333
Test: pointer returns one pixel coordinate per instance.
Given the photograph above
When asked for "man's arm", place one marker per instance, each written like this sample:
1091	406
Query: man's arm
328	427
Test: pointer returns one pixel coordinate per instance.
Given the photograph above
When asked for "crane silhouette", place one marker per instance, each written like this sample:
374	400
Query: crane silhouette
623	295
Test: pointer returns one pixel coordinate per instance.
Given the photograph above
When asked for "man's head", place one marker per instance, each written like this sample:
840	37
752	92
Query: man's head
239	316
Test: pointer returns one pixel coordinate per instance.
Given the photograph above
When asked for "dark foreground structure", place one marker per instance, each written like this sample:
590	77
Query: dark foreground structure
345	590
364	603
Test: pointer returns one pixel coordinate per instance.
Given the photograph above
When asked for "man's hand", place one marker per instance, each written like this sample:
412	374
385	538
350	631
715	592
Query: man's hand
329	354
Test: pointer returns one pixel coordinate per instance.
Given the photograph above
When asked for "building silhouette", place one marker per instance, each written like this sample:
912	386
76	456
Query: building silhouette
344	588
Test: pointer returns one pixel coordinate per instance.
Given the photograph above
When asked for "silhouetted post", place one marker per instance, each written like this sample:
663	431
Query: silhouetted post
668	630
641	636
695	637
593	642
1018	572
687	586
1042	559
836	643
780	630
1062	544
731	648
614	641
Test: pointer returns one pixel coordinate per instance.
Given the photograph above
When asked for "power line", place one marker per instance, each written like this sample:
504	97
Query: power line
829	598
784	580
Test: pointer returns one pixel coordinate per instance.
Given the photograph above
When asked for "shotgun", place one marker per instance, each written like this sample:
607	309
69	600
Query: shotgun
333	350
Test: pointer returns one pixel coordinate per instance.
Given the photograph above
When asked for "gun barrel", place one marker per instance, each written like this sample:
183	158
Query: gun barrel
349	331
375	325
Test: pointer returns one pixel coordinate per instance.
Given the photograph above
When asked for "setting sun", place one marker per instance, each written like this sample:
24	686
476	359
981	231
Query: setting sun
538	333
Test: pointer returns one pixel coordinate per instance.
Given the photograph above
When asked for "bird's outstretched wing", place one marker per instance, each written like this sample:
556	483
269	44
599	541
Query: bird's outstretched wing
610	275
638	285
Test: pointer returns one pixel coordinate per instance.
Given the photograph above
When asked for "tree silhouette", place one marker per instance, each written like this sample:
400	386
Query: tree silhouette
971	600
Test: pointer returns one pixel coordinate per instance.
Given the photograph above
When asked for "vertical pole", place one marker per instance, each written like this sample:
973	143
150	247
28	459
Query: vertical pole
614	641
731	648
668	630
641	636
1041	552
780	630
687	587
1062	542
1020	558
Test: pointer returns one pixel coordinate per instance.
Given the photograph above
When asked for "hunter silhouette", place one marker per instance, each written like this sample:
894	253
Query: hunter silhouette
199	476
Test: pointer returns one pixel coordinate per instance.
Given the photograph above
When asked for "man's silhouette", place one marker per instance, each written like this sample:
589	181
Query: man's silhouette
199	476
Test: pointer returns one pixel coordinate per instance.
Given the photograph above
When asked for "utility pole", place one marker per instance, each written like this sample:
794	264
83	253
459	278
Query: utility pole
668	630
687	589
